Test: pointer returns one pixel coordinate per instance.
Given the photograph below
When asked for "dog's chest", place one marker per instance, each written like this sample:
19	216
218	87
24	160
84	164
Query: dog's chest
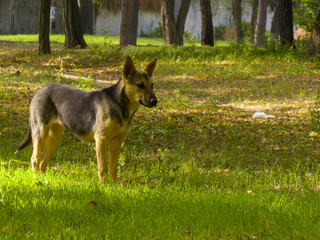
114	128
109	129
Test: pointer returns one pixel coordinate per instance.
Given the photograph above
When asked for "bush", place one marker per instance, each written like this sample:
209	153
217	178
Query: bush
223	33
219	31
246	27
153	33
229	34
305	12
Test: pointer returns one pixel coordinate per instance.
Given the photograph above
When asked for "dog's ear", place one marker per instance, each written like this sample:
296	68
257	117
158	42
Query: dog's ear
128	69
150	67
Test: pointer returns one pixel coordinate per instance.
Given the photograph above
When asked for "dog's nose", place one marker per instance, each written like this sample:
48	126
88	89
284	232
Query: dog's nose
153	101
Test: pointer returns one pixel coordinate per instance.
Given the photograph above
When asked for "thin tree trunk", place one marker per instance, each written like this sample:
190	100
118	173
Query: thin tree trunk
253	22
129	23
275	23
261	23
72	27
12	16
168	21
172	29
206	21
314	46
236	12
181	20
44	27
285	22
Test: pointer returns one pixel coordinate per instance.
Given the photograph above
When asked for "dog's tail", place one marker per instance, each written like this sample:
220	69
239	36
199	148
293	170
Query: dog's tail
26	141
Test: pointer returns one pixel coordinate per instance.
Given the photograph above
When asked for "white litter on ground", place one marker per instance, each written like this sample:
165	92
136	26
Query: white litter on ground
261	115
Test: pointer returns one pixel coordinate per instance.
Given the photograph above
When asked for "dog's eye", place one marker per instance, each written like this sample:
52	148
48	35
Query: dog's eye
140	85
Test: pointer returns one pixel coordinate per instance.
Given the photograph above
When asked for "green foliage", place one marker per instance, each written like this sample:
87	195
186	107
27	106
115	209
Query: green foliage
157	33
227	33
219	31
153	33
305	12
188	35
246	27
223	33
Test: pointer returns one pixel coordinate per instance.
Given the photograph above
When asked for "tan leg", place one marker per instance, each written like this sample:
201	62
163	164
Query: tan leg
52	141
114	152
38	140
101	151
36	154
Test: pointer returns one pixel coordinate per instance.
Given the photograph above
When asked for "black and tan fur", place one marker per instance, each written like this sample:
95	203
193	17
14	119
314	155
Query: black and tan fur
101	116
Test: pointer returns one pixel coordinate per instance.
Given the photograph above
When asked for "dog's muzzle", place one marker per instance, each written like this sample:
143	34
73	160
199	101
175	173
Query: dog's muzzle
152	103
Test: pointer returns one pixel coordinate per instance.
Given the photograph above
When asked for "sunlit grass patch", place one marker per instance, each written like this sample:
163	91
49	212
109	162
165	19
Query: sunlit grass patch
71	203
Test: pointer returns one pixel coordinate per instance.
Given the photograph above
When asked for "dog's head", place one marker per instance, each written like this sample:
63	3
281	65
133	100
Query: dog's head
138	84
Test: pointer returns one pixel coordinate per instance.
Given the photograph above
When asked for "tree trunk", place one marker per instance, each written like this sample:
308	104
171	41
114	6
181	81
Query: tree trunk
206	21
285	22
261	23
44	27
181	20
275	23
129	23
86	14
12	16
314	46
236	12
72	27
168	22
253	22
172	29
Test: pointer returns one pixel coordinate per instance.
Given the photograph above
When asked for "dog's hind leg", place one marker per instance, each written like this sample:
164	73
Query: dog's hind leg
38	140
52	141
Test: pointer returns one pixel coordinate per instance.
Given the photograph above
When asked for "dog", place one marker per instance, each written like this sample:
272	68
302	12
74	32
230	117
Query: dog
103	117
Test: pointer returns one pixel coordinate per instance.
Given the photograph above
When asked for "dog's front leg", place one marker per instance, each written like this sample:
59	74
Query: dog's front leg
114	152
101	151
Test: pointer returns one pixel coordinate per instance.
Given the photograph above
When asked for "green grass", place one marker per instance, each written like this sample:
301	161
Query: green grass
74	204
197	166
92	39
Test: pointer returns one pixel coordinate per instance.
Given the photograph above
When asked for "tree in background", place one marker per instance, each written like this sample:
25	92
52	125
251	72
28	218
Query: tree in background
285	22
275	23
236	12
87	16
206	21
274	7
253	21
44	27
261	23
314	46
72	27
129	23
172	28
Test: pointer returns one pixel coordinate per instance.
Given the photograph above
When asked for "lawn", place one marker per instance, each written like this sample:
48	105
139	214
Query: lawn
198	166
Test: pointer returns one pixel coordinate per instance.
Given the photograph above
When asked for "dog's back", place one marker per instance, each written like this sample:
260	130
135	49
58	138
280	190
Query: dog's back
71	106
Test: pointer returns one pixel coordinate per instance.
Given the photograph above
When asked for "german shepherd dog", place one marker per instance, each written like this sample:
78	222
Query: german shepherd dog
102	117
